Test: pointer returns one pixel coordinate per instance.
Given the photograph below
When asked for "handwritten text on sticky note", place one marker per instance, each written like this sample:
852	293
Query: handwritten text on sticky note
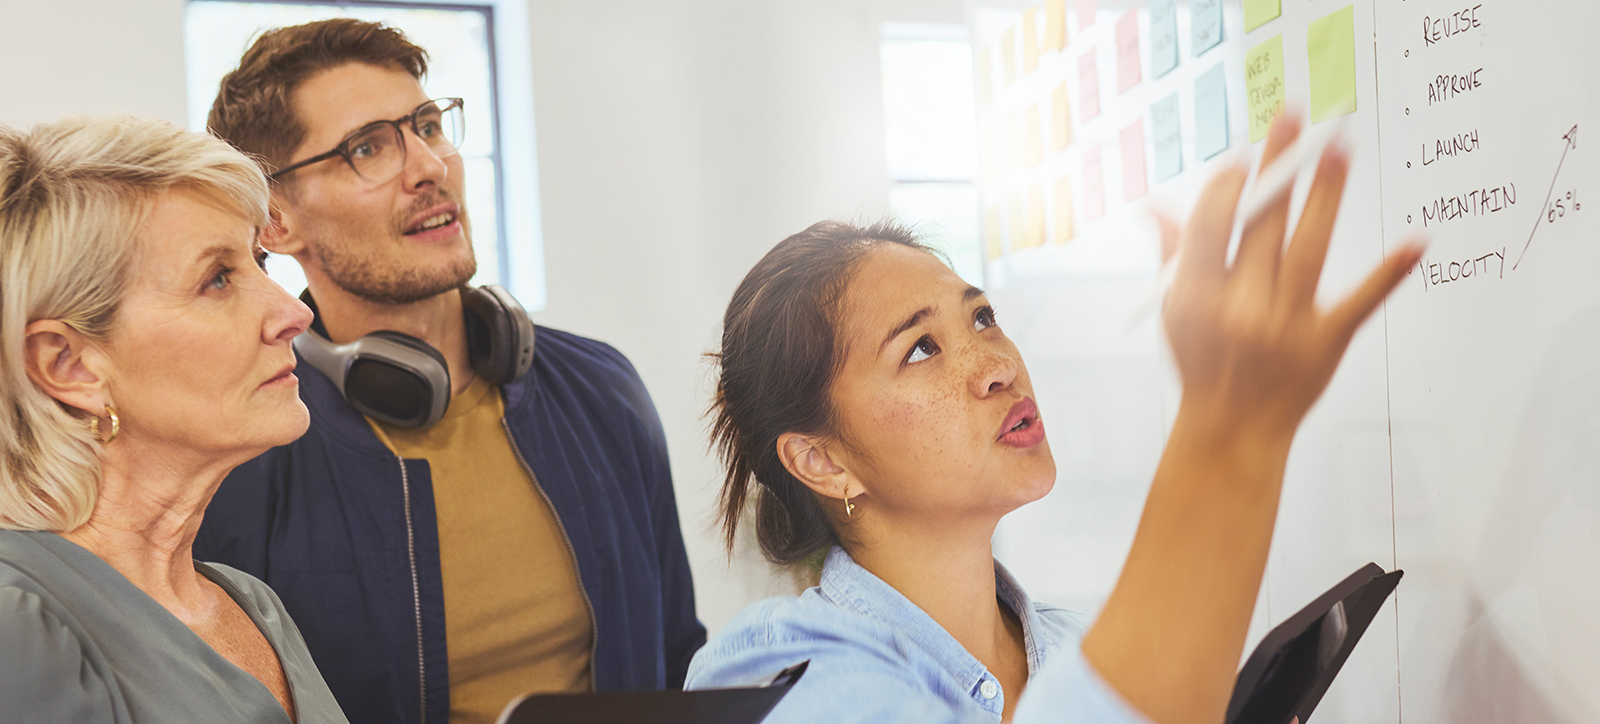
1163	37
1167	136
1205	25
1263	85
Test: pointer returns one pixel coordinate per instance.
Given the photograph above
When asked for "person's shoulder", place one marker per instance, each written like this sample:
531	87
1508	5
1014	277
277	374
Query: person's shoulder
584	354
798	627
253	589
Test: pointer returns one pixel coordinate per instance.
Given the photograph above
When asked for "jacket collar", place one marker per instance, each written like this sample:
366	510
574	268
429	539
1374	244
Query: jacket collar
847	584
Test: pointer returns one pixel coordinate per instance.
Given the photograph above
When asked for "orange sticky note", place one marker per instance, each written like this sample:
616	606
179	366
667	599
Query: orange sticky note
1055	25
1035	230
1016	237
1034	148
1030	39
1060	119
1064	228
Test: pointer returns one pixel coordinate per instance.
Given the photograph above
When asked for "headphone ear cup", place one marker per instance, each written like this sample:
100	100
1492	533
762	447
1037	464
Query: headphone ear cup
499	334
407	386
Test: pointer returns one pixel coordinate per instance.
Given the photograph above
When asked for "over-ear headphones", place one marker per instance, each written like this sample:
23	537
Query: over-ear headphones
398	379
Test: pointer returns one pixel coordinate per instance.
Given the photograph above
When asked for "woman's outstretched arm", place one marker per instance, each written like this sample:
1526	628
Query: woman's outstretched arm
1253	353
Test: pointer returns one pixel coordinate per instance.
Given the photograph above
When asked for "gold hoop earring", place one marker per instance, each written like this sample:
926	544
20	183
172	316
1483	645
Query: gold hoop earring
848	508
116	425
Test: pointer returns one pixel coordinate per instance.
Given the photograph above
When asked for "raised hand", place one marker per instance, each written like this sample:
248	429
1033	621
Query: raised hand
1249	340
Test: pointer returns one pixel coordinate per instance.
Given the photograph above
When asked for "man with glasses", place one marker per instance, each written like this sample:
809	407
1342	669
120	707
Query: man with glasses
526	540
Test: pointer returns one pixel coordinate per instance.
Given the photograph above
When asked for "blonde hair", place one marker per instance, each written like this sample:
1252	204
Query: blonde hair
73	196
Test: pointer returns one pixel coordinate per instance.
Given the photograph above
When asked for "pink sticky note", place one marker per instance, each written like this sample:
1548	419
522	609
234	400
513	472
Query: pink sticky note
1086	11
1128	51
1088	85
1134	183
1094	184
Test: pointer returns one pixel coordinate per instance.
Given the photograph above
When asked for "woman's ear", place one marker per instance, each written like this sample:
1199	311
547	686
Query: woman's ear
812	463
62	362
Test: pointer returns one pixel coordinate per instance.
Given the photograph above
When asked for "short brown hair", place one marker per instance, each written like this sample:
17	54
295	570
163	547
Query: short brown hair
254	109
778	360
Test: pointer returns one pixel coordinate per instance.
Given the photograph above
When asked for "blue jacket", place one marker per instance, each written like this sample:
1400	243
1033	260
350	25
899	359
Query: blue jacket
344	532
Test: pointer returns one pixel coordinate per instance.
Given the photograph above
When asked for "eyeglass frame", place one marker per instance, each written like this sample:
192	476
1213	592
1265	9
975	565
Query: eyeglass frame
410	120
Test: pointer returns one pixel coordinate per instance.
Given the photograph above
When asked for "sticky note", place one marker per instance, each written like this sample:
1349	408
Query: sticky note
1013	141
992	246
1210	113
1134	182
1064	228
1205	25
985	79
1088	85
1094	184
1163	37
1331	47
1033	233
1030	39
1008	54
1128	51
1167	137
1060	119
1015	236
1086	12
1263	85
1033	146
1258	12
988	159
1055	25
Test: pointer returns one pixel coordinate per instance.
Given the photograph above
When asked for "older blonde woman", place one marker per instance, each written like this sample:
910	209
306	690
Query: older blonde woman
144	354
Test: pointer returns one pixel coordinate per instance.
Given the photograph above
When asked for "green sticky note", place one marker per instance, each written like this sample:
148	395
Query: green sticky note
1263	85
1331	45
1257	12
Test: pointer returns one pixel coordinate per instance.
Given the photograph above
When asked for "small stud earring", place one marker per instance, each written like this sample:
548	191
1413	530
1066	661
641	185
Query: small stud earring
848	507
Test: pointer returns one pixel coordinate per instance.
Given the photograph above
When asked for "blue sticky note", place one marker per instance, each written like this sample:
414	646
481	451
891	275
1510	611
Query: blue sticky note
1163	37
1168	137
1210	113
1205	25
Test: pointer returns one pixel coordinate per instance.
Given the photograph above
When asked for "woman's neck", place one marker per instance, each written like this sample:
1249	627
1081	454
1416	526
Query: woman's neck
145	520
950	576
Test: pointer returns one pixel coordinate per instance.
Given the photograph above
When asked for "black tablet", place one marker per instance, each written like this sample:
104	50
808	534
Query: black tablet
1291	669
747	705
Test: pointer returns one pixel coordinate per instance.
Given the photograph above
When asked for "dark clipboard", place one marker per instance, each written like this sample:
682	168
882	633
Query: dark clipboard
747	705
1287	674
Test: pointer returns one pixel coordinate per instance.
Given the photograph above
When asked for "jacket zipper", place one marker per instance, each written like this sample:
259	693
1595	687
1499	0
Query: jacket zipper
416	590
594	625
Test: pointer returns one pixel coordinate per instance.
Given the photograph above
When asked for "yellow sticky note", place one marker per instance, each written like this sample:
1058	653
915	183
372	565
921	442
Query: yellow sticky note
1331	47
1263	83
1034	234
1258	12
1055	25
1030	39
1014	235
992	246
1034	148
1013	131
1060	119
1008	54
1064	228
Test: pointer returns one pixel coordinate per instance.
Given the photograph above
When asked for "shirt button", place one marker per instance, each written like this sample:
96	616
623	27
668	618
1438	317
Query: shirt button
988	689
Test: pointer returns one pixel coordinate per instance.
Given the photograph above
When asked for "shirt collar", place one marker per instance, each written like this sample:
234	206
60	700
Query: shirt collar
845	583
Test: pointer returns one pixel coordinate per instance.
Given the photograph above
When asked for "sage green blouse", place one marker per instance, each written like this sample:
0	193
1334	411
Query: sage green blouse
81	643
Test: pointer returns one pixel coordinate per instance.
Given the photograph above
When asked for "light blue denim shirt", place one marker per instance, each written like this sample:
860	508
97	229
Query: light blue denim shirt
876	657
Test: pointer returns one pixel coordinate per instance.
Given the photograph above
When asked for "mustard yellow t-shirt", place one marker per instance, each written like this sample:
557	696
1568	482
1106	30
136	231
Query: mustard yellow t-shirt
516	619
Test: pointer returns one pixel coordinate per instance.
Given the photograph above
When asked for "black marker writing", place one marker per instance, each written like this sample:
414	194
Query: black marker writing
1476	202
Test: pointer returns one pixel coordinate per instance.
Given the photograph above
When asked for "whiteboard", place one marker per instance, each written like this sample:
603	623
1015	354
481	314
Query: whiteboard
1460	440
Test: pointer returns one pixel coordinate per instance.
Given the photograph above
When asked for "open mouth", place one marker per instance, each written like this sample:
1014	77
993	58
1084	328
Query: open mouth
437	221
1021	426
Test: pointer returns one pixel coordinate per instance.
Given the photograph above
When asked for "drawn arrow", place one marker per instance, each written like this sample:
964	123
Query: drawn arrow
1571	139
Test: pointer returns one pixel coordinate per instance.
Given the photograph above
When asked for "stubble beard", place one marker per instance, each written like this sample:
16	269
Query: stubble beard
398	284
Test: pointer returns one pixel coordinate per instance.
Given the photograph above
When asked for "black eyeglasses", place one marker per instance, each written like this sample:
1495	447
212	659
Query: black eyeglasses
377	152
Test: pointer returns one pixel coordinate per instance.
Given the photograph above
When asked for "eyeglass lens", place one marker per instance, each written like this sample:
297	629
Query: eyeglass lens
378	154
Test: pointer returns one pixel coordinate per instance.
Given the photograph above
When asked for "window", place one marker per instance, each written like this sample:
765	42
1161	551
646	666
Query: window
929	125
461	44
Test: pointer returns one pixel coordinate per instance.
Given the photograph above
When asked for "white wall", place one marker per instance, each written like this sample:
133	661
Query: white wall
677	142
